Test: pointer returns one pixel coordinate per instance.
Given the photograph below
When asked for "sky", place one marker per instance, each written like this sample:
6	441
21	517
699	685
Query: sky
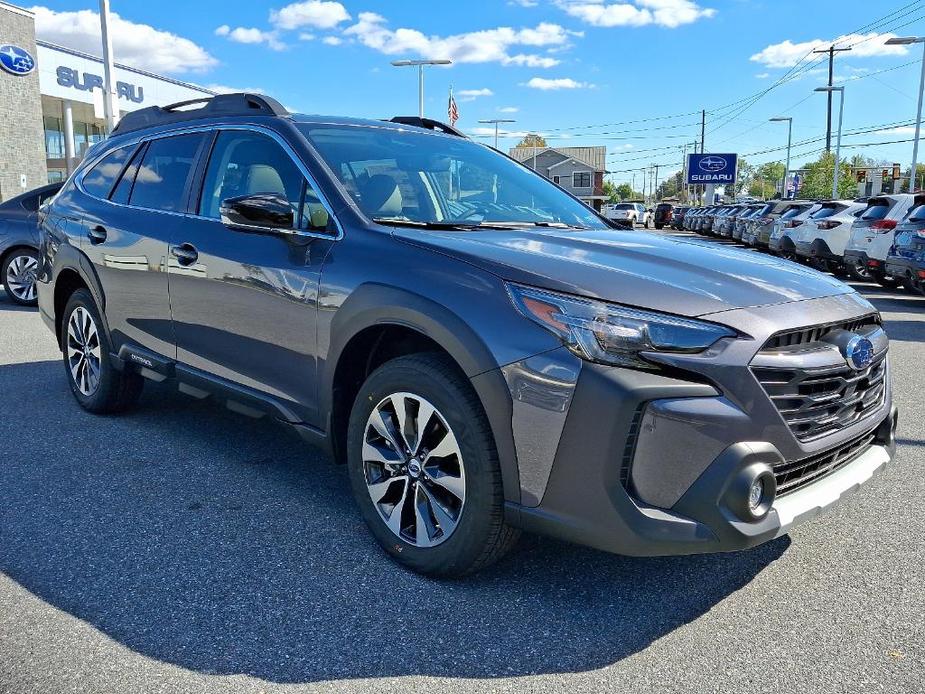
629	74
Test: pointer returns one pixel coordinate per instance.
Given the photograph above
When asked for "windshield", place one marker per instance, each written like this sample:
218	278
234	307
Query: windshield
409	176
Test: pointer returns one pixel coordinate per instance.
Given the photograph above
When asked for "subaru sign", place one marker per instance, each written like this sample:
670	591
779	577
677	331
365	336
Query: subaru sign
711	169
16	60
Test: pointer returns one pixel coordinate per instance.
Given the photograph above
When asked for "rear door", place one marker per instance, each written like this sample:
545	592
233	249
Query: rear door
128	227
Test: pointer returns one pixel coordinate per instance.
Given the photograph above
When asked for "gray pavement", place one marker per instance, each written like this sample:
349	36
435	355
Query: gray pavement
183	548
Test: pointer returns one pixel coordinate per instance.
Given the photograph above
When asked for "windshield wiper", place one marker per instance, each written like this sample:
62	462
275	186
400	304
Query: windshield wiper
445	225
545	225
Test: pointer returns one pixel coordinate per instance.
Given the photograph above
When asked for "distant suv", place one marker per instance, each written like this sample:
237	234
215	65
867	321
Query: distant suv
483	350
19	242
631	213
663	215
906	258
872	237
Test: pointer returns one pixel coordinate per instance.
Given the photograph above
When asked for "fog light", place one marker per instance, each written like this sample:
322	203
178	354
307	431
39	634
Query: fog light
756	495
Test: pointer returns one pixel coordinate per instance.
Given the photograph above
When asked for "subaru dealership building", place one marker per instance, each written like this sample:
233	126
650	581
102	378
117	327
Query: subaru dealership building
51	102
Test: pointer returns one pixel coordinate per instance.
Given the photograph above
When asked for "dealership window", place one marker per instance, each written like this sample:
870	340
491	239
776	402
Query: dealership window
160	182
581	179
54	138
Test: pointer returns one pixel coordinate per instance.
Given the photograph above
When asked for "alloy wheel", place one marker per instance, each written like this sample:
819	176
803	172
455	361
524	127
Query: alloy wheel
414	469
20	277
83	351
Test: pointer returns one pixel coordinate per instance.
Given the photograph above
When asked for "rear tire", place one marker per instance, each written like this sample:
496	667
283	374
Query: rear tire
858	272
451	507
18	276
887	281
97	386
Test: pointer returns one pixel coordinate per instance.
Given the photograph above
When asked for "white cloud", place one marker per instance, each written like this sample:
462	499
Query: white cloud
901	130
306	36
666	13
764	76
251	35
473	94
332	40
787	54
485	46
558	83
137	45
225	89
508	109
319	14
523	3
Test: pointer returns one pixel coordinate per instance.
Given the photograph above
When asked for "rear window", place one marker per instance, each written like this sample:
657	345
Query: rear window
98	181
792	212
876	210
764	210
160	182
626	206
916	214
827	211
665	206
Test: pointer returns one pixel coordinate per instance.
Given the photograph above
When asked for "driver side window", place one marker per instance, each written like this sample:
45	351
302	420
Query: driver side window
249	163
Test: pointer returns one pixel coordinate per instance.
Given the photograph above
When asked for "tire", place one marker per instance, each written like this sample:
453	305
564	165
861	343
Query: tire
478	535
18	276
97	386
858	272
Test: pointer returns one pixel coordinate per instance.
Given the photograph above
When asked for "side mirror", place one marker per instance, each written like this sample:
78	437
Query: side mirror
261	211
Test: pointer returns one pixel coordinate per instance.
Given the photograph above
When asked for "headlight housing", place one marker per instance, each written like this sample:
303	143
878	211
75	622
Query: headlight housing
612	334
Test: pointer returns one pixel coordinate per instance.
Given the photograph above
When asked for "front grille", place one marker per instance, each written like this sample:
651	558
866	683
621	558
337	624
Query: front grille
806	335
629	448
819	401
794	475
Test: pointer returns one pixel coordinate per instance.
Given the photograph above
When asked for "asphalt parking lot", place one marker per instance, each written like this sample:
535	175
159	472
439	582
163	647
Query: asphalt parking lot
185	548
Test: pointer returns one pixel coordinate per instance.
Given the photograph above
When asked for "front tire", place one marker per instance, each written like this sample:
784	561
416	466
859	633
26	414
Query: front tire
419	445
18	276
97	386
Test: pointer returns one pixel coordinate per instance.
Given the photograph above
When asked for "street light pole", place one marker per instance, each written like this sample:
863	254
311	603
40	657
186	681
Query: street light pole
495	121
841	113
904	41
780	119
110	105
420	64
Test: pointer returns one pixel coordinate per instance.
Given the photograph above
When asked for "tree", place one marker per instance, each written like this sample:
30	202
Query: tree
670	187
817	183
766	179
625	192
532	140
610	190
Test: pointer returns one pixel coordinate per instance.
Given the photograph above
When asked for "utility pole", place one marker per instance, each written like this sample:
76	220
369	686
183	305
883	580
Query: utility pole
655	185
831	50
110	105
496	121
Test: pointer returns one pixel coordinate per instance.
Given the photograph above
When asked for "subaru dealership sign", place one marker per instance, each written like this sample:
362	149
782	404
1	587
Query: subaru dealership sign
711	169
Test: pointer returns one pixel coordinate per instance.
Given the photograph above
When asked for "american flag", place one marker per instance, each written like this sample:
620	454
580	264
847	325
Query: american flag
451	111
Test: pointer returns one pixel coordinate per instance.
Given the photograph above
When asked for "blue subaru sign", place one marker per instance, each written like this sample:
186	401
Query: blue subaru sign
711	169
16	60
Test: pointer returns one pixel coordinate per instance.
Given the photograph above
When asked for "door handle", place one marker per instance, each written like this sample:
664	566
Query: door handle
96	235
185	253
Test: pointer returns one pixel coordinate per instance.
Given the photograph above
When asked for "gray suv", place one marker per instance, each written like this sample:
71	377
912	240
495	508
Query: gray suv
484	352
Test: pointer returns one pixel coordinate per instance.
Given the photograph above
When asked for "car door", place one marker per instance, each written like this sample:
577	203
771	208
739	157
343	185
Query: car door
127	230
244	300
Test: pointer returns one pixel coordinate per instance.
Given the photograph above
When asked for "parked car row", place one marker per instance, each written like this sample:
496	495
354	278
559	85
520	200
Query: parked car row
879	239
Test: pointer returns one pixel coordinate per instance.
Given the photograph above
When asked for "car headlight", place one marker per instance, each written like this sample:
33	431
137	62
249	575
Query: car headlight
612	334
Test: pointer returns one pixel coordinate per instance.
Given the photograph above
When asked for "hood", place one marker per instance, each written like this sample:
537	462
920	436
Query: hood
661	273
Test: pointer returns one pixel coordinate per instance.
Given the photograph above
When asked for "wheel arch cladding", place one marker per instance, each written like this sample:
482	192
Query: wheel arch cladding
378	323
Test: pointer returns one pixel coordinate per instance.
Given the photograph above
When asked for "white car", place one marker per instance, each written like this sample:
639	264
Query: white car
872	235
781	241
633	212
821	239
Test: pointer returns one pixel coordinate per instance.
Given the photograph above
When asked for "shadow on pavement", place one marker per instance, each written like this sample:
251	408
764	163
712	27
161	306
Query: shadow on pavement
200	538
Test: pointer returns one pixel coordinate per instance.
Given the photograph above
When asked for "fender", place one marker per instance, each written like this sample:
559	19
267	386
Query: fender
70	258
375	304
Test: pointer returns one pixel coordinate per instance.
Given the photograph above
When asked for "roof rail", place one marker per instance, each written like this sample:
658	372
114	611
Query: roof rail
237	104
429	124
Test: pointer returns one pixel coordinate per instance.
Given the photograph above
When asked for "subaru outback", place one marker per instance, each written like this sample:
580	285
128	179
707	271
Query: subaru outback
483	351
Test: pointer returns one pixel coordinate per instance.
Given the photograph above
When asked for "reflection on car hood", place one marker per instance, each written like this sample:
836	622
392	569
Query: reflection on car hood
683	277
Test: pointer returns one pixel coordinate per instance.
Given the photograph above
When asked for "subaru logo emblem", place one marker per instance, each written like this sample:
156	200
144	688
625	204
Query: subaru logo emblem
16	60
859	352
712	164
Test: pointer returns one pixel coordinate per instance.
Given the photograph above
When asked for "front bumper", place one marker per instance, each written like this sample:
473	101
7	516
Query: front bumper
646	464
